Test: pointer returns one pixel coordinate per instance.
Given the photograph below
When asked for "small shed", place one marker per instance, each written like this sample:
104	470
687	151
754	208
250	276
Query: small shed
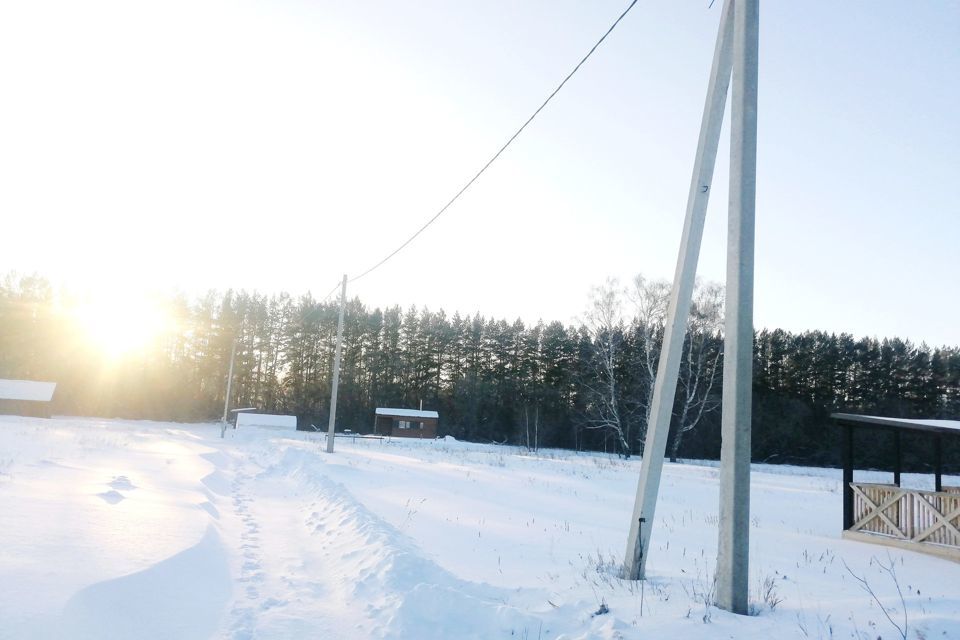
267	420
26	397
927	521
405	423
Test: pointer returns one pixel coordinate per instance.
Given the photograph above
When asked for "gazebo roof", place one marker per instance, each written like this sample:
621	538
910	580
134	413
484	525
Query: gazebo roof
934	426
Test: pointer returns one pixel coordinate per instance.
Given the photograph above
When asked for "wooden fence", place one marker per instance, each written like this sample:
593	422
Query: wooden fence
919	517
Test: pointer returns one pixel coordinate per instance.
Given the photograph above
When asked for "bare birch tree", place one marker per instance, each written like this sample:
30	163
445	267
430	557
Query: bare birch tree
606	408
702	361
650	299
700	368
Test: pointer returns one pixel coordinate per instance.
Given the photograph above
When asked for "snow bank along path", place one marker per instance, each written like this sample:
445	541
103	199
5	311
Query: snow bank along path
113	529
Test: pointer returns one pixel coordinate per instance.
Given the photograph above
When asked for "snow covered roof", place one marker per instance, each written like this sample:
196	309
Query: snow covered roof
406	413
27	390
937	426
266	420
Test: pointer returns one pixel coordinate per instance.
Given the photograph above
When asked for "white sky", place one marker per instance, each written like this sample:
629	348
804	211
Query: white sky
278	144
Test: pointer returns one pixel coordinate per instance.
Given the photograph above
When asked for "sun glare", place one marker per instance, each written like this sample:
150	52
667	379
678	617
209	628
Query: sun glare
121	327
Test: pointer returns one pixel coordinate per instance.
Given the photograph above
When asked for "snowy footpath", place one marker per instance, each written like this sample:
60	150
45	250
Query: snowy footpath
117	529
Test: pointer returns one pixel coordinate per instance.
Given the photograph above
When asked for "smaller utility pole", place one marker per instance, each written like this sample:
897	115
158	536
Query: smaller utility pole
226	400
678	311
336	369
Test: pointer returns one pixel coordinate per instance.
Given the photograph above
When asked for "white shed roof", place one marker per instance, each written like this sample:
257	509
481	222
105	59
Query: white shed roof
406	413
266	420
27	390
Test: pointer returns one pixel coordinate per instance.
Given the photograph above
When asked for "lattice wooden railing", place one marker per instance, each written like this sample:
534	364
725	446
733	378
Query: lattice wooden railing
923	517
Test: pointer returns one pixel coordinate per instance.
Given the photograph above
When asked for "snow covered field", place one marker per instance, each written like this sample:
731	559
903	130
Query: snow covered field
113	529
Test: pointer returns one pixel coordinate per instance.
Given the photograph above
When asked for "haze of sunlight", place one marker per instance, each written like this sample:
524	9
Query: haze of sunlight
118	327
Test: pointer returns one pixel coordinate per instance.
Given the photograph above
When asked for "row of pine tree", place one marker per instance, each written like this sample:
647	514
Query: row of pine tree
583	386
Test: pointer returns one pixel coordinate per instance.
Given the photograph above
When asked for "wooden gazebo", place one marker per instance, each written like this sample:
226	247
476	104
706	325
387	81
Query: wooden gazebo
926	521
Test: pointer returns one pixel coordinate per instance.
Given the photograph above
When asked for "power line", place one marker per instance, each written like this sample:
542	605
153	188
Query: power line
335	287
501	150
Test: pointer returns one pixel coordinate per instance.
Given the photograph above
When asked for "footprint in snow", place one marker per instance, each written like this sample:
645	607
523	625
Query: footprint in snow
122	483
112	497
270	603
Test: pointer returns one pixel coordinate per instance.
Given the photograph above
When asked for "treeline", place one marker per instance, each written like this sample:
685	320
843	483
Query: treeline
584	386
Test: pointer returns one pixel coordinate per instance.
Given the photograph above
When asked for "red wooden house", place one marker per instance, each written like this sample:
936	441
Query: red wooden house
405	423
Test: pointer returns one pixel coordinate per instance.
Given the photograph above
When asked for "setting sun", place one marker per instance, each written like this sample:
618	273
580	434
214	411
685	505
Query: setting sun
121	327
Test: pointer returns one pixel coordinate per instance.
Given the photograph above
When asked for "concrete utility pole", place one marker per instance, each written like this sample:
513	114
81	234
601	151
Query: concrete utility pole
736	53
733	551
226	400
336	369
665	387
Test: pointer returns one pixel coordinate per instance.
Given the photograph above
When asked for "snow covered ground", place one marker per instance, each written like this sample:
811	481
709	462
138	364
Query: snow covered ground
113	529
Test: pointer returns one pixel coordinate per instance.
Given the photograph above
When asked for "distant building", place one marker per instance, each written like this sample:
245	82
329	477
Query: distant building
26	397
406	423
268	420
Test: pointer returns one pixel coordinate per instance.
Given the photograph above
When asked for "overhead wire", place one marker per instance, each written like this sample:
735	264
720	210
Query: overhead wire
500	151
335	287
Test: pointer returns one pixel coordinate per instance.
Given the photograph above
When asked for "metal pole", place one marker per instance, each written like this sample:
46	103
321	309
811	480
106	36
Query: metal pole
938	463
336	369
734	536
226	400
661	407
846	444
897	457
